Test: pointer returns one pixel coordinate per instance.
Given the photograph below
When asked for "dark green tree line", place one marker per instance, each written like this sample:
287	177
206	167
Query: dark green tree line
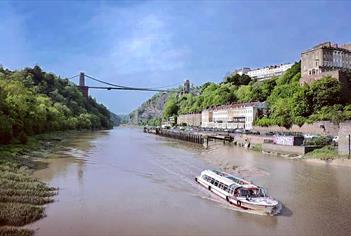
33	102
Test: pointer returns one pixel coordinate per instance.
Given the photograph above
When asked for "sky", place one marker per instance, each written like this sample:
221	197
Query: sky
162	43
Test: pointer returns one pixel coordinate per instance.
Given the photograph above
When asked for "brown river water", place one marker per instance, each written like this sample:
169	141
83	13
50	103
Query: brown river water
125	182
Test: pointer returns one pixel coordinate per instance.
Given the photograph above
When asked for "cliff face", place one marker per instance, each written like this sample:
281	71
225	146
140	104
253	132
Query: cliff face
116	119
152	108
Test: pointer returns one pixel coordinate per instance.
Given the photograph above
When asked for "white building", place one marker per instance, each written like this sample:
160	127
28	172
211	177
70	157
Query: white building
265	72
238	115
269	71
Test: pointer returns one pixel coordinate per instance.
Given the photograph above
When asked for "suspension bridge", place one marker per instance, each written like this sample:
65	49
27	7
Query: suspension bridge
111	86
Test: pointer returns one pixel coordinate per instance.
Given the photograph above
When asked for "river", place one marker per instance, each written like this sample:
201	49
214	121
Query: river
125	182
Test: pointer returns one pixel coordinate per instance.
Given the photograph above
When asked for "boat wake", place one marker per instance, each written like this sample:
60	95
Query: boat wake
226	205
185	173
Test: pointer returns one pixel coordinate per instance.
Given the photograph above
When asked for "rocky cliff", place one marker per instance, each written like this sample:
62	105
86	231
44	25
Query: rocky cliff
150	109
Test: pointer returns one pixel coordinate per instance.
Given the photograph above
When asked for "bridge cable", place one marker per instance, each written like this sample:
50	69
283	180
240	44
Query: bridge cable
126	87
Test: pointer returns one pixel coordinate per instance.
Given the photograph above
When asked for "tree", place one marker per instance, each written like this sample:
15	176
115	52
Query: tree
33	101
244	93
291	75
237	79
324	92
171	107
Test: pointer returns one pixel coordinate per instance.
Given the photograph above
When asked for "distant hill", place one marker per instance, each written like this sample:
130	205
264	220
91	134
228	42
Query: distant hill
124	118
116	119
119	119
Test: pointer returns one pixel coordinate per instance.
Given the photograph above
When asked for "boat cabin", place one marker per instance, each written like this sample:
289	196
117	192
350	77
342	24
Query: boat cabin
233	185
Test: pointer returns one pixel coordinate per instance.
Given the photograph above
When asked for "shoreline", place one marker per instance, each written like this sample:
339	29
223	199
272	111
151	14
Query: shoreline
333	162
330	159
23	198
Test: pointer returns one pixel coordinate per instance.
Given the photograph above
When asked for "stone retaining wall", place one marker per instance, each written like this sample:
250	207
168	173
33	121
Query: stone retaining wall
344	132
321	128
284	149
253	139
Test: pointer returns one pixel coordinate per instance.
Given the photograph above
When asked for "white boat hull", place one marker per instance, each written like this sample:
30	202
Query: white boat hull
242	203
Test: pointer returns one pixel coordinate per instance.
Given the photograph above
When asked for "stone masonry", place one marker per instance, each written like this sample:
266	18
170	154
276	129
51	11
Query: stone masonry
319	128
344	133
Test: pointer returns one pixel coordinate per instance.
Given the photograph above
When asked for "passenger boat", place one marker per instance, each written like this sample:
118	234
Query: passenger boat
239	192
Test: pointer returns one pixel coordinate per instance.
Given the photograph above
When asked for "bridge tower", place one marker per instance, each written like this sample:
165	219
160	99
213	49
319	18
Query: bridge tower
83	88
186	86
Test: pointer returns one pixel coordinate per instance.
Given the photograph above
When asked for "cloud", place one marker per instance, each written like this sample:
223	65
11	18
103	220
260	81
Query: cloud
133	45
149	47
144	43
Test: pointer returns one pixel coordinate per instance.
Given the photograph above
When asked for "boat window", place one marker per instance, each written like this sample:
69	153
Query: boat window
244	192
257	192
238	181
225	188
231	188
216	183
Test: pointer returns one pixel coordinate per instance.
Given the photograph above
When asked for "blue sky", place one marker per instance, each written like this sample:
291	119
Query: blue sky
159	43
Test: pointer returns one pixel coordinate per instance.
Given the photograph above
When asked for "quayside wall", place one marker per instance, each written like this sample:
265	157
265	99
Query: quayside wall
189	137
321	128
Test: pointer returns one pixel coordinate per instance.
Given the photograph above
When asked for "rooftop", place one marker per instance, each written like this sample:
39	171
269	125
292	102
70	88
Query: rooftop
330	45
234	105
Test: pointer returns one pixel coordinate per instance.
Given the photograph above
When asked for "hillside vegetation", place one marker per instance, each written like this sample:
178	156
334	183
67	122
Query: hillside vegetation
33	102
288	102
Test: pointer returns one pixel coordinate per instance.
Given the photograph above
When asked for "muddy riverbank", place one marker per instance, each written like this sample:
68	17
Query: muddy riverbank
125	182
23	198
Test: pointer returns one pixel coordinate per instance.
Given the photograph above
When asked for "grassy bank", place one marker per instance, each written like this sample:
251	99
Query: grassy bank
324	153
257	147
22	197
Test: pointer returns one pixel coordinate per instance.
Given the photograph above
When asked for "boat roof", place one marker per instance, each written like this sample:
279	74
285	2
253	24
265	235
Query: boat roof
228	179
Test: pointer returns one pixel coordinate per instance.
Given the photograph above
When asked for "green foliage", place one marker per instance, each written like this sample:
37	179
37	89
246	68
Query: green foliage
262	90
245	93
154	122
324	92
318	141
237	79
291	75
335	113
33	102
152	108
257	147
211	95
171	107
288	102
324	153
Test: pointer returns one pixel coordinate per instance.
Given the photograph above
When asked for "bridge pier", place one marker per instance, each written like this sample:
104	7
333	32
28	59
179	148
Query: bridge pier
83	88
